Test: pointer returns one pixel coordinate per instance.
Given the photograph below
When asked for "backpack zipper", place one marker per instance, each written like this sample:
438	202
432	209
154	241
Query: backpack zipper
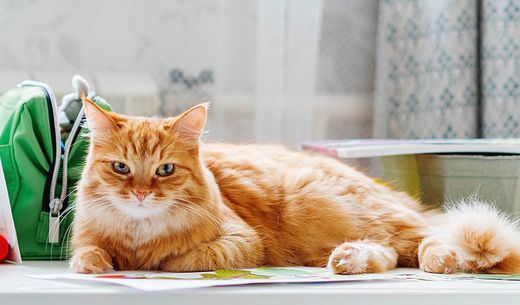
54	203
81	89
76	128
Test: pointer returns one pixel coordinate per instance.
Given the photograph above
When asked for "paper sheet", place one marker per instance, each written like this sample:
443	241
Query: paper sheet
156	281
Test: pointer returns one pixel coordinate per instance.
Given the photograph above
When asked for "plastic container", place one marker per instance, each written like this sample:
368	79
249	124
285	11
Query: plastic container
438	178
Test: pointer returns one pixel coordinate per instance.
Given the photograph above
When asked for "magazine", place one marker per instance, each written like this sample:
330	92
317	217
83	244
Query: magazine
366	148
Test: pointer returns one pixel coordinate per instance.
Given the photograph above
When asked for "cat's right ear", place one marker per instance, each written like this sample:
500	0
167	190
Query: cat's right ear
99	121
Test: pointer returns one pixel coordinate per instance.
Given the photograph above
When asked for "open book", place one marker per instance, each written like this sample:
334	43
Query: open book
377	148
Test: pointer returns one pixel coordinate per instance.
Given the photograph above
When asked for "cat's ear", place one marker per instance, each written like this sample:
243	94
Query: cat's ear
191	123
99	121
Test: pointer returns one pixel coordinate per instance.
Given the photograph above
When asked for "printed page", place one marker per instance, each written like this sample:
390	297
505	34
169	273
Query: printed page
156	281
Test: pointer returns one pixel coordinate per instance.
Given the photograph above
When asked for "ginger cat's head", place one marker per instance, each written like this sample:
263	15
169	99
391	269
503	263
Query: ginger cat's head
143	167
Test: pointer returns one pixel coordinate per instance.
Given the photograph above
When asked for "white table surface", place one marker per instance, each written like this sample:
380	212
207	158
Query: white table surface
15	288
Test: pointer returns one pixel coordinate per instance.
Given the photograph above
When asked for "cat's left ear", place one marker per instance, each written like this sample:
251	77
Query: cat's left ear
191	123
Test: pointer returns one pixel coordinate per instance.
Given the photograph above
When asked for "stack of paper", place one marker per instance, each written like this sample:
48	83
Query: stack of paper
378	148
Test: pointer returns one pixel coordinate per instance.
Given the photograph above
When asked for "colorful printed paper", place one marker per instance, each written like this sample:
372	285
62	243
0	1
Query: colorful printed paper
155	281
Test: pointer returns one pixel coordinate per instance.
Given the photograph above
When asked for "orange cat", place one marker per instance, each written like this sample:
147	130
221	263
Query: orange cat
153	197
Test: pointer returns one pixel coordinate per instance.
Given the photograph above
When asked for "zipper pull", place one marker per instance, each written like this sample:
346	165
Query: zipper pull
54	221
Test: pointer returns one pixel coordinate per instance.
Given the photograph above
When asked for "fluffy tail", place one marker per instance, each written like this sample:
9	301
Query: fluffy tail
471	236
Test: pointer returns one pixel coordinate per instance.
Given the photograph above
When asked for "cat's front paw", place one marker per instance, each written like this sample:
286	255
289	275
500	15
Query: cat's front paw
91	259
362	257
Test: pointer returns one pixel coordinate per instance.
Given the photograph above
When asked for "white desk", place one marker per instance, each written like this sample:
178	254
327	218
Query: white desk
17	289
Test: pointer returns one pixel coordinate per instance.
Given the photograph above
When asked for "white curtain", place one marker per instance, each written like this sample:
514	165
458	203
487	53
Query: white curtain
290	71
276	70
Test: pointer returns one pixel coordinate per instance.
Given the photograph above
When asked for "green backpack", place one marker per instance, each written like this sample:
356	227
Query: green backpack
42	152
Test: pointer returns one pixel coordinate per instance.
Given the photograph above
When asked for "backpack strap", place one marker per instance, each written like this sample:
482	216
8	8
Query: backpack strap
70	117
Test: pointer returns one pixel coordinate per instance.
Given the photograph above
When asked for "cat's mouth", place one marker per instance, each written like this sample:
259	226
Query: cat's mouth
137	208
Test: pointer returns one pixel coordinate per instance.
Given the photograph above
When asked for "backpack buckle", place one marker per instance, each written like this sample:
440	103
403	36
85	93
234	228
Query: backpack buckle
54	221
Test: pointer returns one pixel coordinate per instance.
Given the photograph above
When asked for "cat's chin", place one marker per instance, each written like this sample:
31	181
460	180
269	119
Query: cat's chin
138	210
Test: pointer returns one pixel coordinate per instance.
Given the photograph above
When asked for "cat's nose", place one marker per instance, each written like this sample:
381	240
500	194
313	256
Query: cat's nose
141	195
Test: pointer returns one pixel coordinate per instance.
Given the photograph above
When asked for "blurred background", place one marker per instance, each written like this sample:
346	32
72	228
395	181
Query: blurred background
282	71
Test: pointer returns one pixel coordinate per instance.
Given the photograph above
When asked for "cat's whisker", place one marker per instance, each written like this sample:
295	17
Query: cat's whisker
201	213
56	226
67	240
193	208
196	197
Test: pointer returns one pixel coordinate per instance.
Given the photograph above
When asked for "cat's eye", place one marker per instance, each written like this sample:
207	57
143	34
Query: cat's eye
120	168
165	170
